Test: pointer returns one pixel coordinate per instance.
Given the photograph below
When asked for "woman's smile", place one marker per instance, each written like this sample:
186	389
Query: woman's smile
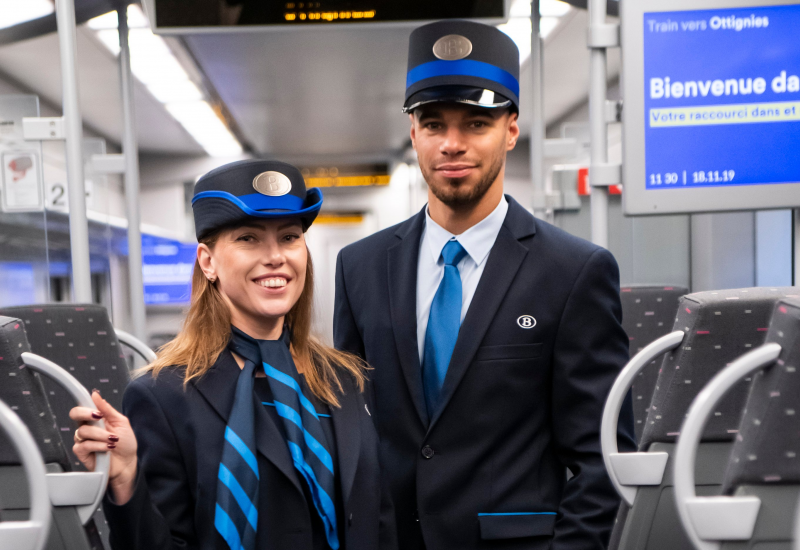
273	283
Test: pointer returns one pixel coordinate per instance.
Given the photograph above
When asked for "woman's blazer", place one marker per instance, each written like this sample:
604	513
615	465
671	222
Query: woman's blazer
180	430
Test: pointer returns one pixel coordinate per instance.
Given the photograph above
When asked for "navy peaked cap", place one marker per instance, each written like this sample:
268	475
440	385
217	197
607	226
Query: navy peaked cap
246	189
459	60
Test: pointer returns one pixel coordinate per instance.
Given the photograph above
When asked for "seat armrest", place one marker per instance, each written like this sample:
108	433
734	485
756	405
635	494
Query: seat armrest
608	428
61	494
704	518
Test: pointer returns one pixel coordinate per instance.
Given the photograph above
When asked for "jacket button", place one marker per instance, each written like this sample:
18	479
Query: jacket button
427	452
415	516
350	520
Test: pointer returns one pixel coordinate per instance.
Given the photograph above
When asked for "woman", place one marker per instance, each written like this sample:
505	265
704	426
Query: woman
246	433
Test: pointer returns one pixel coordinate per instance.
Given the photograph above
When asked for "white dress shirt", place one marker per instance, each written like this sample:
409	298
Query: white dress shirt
478	241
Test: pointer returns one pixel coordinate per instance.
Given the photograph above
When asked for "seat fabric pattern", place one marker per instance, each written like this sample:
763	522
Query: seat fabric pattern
22	390
720	326
80	339
648	312
767	447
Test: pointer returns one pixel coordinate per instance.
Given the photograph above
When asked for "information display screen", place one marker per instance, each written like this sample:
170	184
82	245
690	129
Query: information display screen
722	96
188	14
167	270
718	106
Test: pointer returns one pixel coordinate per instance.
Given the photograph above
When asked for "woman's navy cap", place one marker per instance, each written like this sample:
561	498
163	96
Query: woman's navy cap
464	62
246	189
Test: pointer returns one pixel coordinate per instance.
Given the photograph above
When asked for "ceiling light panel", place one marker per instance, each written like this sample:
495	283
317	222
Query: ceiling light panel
518	26
205	126
14	12
155	66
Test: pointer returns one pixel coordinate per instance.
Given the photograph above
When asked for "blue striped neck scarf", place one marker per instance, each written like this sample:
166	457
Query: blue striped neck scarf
305	437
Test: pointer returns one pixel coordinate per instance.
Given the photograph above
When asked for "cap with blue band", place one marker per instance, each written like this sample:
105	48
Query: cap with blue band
463	62
248	189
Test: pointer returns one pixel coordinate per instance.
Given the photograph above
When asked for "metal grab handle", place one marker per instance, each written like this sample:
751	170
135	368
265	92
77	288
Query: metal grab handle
710	519
82	489
136	345
31	534
616	462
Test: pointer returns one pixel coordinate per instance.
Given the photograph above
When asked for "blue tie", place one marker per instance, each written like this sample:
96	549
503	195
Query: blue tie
236	514
305	437
443	325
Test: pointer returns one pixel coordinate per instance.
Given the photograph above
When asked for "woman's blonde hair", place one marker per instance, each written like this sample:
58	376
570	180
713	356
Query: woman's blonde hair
207	329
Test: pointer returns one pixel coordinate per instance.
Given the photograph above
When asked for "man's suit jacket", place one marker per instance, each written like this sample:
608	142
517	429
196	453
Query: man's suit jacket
180	433
521	402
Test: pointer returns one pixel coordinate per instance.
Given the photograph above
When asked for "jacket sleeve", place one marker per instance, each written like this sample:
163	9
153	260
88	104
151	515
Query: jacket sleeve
159	515
346	336
345	331
590	350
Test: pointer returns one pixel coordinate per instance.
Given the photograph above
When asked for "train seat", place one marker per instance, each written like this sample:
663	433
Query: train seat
81	339
711	329
762	478
22	390
648	312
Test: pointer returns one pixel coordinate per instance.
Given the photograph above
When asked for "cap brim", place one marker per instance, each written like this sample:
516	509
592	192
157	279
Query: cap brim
465	95
223	209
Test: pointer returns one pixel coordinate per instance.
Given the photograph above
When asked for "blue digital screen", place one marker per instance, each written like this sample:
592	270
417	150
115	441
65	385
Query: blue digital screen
19	284
167	270
722	97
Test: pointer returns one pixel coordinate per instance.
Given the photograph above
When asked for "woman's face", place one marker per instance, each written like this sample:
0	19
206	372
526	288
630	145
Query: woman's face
260	269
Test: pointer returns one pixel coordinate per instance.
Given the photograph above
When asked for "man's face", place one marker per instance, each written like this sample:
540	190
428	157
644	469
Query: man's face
462	149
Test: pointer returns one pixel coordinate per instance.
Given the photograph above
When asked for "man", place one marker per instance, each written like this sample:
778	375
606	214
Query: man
494	337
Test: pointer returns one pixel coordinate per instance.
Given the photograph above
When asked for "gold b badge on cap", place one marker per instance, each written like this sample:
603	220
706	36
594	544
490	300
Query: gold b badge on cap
452	47
273	184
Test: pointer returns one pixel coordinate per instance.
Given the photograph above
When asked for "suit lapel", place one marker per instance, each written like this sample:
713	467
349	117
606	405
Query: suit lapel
347	431
403	258
502	265
218	387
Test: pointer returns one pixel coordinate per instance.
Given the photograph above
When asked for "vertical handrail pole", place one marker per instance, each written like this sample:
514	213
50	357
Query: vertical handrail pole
537	117
131	151
73	131
597	125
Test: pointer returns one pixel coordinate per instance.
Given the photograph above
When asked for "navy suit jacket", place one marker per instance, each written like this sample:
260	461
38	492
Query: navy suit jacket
521	403
180	436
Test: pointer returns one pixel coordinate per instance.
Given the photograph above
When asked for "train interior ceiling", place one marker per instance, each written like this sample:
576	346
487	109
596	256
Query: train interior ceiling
328	100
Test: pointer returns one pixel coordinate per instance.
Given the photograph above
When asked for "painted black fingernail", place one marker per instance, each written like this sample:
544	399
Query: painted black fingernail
97	414
113	438
112	446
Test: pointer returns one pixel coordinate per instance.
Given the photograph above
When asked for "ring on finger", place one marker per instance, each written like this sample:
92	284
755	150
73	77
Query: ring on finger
78	439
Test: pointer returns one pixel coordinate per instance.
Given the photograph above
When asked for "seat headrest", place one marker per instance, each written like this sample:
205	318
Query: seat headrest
720	326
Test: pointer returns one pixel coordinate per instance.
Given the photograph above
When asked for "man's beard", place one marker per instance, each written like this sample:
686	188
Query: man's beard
457	197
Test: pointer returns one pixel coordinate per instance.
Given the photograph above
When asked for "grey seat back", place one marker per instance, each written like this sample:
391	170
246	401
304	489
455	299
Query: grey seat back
765	460
648	312
23	391
81	339
720	326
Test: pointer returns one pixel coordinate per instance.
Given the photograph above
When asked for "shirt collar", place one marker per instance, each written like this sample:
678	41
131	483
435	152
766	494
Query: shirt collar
477	240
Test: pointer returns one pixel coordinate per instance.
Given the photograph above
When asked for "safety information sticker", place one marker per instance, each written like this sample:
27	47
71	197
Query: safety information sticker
722	97
22	187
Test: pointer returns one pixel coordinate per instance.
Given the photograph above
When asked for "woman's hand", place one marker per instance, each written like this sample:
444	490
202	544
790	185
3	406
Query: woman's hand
117	438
